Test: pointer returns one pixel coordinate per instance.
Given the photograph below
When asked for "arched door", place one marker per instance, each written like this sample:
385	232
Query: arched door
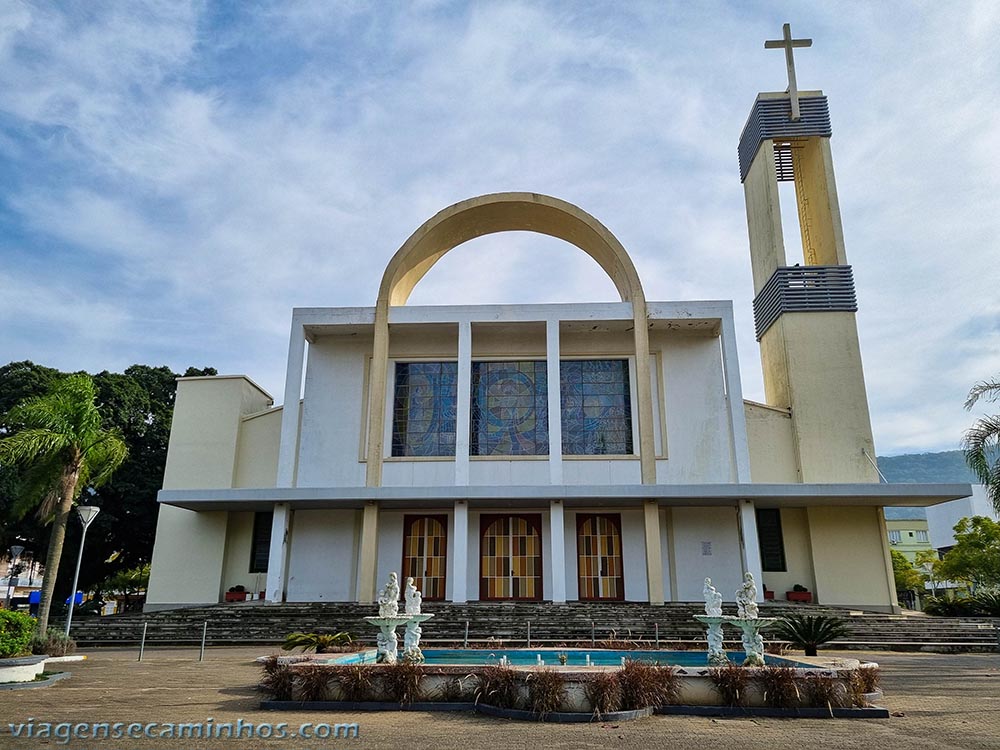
510	557
425	554
599	556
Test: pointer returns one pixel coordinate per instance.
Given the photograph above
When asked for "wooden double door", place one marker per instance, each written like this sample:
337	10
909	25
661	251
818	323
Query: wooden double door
599	556
425	554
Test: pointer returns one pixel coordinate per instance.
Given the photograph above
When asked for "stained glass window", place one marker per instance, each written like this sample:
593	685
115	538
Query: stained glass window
510	412
599	556
423	415
596	407
510	564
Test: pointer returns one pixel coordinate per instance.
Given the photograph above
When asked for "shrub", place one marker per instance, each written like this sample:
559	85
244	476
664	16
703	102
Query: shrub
987	603
645	685
942	606
313	681
546	690
730	682
499	686
54	643
16	629
320	642
825	692
779	686
809	632
860	682
277	680
355	681
604	691
401	682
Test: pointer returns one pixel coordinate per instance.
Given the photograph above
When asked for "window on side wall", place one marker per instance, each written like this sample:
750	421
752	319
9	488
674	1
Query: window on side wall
895	537
260	546
772	544
921	535
423	409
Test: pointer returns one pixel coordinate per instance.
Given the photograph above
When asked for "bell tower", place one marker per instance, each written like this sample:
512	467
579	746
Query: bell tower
804	311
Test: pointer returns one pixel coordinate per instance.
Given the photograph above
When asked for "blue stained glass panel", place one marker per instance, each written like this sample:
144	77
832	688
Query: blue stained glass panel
596	407
424	406
510	412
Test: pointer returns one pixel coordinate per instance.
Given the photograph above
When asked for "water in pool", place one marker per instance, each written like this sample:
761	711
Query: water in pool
574	657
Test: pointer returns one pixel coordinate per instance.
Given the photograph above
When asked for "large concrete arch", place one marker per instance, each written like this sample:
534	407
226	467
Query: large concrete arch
506	212
489	214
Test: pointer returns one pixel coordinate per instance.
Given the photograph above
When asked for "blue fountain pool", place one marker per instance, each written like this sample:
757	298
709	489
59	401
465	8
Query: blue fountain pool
574	657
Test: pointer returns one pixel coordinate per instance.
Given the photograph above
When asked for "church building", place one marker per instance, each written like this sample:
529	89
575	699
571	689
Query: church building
553	452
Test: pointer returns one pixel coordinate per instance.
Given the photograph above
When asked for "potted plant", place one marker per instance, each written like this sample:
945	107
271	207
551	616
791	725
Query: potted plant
768	594
809	633
799	593
236	594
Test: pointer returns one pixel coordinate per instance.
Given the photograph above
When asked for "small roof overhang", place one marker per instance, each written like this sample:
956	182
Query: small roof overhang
763	495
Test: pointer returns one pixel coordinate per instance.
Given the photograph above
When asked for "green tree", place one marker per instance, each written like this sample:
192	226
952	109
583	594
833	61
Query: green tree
908	578
928	562
60	448
982	441
975	558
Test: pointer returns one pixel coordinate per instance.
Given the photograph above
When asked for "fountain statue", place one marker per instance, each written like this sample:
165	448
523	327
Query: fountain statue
747	619
389	618
714	619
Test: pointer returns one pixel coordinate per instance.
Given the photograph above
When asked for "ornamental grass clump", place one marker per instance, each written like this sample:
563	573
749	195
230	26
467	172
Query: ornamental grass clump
546	691
779	686
604	692
356	681
731	682
499	686
54	643
313	682
809	632
645	685
861	682
321	643
401	682
277	679
822	691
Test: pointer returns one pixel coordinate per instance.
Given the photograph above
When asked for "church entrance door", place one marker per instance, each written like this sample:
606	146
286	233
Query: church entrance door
599	556
510	557
425	554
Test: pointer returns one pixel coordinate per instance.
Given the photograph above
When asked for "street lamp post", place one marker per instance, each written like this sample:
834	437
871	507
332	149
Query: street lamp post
87	514
15	552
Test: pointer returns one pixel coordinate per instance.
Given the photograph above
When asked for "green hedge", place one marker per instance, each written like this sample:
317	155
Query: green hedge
16	629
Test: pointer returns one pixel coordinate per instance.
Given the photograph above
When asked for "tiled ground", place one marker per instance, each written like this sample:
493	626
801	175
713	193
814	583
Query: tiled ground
942	701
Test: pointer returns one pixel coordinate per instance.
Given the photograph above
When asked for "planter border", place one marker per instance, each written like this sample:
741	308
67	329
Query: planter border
562	717
50	680
873	712
272	705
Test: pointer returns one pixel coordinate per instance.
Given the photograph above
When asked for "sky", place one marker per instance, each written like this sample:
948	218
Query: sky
176	177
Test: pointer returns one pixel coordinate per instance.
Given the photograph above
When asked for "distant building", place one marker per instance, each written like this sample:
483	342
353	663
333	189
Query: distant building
941	519
908	532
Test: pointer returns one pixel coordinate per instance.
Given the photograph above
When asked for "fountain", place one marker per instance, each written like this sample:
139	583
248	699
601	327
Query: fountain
747	619
389	618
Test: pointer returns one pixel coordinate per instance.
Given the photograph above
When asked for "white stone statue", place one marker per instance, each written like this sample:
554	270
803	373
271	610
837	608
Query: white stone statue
413	598
746	599
713	600
386	644
411	644
388	598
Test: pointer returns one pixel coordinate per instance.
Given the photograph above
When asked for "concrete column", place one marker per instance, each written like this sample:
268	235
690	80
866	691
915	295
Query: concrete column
277	555
460	554
654	555
734	395
289	447
557	532
463	408
368	563
555	405
750	544
890	575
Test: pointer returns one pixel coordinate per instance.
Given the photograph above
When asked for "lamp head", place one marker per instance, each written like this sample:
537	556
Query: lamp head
87	514
15	552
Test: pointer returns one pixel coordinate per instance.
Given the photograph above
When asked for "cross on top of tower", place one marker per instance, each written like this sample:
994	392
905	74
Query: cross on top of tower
787	43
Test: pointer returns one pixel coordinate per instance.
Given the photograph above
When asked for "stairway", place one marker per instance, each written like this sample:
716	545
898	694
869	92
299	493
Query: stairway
260	623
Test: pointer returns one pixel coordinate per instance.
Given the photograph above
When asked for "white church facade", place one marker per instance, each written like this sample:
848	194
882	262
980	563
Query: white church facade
552	452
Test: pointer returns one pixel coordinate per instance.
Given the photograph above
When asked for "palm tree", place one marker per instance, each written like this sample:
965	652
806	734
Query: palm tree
982	441
60	448
809	633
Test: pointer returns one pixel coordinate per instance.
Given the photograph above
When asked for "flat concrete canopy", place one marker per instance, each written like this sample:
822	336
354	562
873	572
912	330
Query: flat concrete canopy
763	495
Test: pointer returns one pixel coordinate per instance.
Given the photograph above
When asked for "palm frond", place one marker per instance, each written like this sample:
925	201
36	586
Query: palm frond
30	444
103	456
987	389
981	445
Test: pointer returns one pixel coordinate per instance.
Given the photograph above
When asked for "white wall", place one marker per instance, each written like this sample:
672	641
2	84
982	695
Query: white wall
941	519
719	528
322	563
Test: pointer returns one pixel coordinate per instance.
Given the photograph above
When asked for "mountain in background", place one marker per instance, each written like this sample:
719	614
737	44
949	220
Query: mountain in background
911	468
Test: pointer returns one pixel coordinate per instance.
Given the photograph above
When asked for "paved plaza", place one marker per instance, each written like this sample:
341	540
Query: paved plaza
939	701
